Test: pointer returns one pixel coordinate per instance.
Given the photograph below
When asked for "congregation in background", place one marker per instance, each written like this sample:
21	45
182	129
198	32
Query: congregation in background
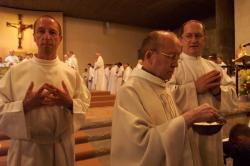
12	59
100	76
106	77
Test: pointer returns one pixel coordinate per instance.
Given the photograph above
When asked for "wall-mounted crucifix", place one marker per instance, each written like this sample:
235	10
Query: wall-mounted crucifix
20	29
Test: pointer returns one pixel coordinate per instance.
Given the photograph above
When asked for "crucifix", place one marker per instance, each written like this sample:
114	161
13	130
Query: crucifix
20	29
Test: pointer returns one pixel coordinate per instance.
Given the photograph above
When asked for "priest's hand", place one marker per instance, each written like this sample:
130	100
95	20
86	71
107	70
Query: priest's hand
216	92
56	96
32	98
208	82
202	113
47	95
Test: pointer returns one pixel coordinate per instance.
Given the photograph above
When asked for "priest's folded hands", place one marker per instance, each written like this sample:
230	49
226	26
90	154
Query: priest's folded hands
47	95
208	82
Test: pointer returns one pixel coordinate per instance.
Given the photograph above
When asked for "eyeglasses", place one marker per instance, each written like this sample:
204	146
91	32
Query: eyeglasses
174	57
189	36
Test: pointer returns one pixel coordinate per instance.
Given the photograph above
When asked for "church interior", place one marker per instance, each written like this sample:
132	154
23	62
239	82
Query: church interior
115	29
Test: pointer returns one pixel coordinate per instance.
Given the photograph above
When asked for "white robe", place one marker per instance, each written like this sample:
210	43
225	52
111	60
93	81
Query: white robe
119	76
99	74
44	135
138	66
11	60
126	73
184	92
72	62
85	77
91	74
106	80
223	65
3	65
146	128
113	79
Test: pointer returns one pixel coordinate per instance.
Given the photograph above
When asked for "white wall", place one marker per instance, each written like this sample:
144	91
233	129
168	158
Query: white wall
242	23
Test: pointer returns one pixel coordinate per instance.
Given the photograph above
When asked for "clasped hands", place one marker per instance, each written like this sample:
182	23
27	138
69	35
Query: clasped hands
209	82
47	95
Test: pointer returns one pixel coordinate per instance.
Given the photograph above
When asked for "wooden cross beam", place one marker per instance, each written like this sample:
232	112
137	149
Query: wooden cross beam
20	29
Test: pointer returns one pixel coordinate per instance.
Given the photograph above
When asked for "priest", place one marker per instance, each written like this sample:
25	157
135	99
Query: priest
99	73
127	72
146	128
197	81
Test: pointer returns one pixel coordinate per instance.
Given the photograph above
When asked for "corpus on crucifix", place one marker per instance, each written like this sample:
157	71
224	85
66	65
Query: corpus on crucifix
20	28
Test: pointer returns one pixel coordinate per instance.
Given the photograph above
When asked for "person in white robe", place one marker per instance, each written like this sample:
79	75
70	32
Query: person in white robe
11	59
2	64
127	72
146	127
107	76
119	76
71	60
196	81
91	74
42	103
220	62
85	76
139	64
99	73
113	78
27	57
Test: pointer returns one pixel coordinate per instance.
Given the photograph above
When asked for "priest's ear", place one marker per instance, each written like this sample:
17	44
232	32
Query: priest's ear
148	54
148	57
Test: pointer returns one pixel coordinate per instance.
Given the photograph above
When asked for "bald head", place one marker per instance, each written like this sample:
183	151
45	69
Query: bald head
49	17
160	51
154	40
